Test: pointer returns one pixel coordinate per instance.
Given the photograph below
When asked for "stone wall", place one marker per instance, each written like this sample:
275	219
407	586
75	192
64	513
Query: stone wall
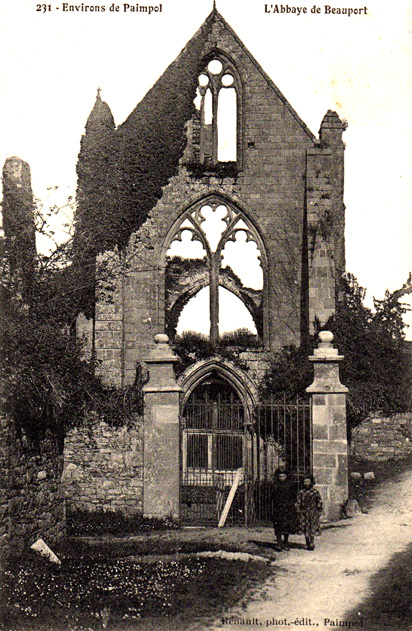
258	362
31	505
103	469
380	438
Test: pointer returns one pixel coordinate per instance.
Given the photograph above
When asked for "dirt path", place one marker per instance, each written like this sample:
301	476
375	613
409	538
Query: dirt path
310	587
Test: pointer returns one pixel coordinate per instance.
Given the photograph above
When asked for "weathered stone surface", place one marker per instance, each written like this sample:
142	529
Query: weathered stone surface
383	438
30	500
352	508
105	465
161	434
330	448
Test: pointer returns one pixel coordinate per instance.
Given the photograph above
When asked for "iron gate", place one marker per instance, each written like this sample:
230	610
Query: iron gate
218	438
213	445
282	435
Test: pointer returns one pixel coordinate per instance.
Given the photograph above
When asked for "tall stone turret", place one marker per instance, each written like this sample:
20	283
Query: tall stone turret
325	218
94	198
94	170
330	134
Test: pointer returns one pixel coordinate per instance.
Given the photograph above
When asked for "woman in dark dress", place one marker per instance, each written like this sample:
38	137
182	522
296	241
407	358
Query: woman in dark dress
309	506
284	509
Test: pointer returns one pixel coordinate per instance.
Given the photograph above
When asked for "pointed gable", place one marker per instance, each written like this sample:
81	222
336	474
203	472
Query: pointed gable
171	89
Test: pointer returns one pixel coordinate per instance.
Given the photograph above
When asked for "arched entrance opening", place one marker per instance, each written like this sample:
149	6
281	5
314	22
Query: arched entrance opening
214	447
226	427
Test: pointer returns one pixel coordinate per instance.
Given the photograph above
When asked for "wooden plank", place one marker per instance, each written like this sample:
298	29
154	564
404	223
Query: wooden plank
230	497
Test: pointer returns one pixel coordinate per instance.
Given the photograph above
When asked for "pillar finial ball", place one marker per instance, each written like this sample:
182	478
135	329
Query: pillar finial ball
161	338
326	336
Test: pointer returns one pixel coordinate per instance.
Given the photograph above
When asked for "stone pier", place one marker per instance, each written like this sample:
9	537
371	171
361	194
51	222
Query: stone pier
161	481
330	446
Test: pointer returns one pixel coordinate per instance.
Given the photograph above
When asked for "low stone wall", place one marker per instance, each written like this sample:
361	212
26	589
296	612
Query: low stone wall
380	438
31	505
103	469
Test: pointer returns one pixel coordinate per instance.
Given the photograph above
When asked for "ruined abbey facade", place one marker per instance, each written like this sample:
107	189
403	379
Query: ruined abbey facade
266	181
278	183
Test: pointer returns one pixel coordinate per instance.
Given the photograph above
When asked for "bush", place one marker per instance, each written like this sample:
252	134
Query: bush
192	347
290	373
375	368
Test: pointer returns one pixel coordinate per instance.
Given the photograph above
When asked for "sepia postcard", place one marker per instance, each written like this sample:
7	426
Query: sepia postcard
194	195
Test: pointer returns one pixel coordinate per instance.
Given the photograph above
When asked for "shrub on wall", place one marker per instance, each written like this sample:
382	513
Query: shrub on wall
192	346
47	384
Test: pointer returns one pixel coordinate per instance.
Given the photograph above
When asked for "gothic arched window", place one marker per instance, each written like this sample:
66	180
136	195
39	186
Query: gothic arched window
216	122
222	248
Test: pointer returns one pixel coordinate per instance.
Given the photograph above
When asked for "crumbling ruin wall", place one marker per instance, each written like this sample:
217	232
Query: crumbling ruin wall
31	504
380	438
103	469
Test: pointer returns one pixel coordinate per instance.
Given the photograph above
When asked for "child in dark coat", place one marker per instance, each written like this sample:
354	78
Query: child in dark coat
284	509
309	506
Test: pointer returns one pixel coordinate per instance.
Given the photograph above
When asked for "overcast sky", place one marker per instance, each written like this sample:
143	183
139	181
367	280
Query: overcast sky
361	66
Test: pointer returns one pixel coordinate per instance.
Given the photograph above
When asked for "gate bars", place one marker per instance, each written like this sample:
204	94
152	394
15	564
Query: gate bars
281	435
217	439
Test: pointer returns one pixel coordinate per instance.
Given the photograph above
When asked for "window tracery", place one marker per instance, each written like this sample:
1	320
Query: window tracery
213	224
216	127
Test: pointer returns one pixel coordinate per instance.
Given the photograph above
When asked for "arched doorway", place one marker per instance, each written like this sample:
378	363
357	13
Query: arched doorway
214	447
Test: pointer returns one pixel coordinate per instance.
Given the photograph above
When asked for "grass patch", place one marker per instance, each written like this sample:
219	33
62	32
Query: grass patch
85	594
97	523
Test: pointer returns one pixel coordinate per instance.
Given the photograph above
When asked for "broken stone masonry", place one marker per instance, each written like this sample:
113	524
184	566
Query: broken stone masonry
286	185
283	188
380	438
31	498
32	503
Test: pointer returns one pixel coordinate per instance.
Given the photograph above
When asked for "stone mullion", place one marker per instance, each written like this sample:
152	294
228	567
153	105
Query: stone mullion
215	140
214	297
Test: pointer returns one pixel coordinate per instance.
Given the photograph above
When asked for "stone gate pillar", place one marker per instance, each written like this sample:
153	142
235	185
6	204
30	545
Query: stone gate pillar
161	473
330	446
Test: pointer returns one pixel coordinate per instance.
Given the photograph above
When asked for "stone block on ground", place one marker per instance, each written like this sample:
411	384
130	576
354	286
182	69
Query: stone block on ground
352	508
43	549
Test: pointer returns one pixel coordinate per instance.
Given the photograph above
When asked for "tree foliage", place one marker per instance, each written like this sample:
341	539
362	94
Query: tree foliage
192	346
290	373
376	364
47	380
